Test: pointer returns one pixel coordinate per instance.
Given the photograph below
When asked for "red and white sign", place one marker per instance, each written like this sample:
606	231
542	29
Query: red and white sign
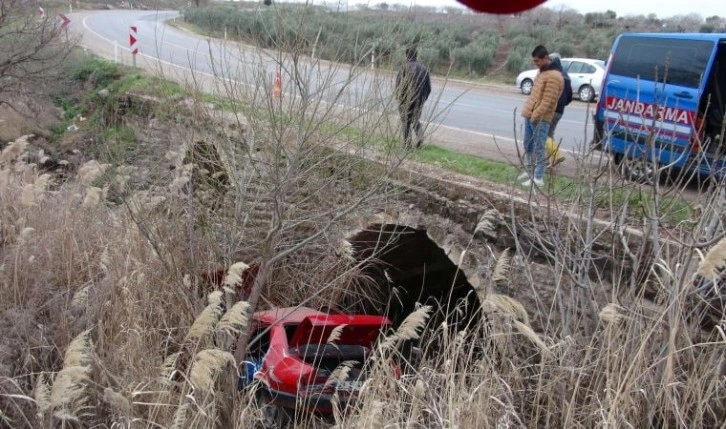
64	21
133	40
642	118
649	110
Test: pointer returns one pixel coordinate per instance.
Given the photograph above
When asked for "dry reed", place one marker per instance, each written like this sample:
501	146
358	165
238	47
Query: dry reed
234	273
410	328
68	394
335	334
206	321
714	262
207	365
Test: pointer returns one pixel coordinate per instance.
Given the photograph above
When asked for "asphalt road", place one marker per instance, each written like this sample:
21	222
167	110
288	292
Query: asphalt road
467	116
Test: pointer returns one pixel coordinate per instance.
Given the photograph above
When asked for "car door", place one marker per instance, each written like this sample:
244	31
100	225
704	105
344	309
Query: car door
578	76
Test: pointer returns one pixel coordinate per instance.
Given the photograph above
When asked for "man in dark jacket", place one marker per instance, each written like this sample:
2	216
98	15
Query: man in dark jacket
413	87
565	99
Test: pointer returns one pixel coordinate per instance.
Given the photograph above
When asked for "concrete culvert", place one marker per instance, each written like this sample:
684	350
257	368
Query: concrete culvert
402	267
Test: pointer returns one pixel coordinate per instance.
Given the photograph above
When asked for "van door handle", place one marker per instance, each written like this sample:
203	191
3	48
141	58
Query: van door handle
683	94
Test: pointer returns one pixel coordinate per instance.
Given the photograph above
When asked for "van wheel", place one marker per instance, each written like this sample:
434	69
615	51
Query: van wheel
526	86
638	170
586	93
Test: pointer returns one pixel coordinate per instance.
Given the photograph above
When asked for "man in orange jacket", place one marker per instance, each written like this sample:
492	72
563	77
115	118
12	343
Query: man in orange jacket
538	111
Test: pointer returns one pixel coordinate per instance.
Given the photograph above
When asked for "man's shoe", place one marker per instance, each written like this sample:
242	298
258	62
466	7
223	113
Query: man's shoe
522	176
537	182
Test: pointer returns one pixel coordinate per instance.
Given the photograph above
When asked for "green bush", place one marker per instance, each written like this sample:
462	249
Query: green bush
473	59
517	62
463	42
563	46
597	46
85	67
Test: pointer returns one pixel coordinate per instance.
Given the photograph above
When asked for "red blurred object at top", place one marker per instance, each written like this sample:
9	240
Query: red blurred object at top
501	6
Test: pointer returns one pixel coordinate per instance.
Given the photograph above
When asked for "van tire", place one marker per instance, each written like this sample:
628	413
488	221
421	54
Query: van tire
586	93
637	170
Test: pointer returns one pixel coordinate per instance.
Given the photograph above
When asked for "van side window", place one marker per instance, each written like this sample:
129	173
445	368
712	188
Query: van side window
678	62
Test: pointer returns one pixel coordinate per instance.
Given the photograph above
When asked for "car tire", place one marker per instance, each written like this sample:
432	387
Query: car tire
586	93
271	416
526	86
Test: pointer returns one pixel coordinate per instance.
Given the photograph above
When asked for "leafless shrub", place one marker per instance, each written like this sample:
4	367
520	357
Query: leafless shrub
32	51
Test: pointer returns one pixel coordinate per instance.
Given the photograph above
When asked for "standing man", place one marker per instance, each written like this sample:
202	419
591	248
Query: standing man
538	111
413	86
553	150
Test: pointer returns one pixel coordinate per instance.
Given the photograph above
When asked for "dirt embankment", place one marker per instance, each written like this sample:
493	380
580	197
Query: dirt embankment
451	208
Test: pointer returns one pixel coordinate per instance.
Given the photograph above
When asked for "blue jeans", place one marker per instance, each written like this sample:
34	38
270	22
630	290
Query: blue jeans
535	137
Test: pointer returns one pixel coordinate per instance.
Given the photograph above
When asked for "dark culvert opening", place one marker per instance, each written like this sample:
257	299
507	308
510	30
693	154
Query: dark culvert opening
403	267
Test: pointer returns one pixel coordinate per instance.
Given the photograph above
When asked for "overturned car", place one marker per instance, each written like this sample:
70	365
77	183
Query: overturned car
292	356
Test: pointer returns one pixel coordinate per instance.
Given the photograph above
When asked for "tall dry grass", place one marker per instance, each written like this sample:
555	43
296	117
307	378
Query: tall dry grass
100	330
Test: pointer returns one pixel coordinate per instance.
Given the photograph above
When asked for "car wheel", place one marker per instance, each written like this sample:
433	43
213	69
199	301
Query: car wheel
586	93
272	416
526	86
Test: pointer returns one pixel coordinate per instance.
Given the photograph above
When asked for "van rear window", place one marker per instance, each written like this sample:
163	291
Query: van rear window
675	61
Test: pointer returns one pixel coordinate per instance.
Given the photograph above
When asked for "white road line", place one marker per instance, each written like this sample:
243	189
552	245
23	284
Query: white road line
112	42
478	133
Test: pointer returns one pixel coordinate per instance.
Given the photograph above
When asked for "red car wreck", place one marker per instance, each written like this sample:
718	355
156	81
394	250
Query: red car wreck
293	352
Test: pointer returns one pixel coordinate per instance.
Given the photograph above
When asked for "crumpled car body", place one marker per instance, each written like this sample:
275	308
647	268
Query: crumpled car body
294	351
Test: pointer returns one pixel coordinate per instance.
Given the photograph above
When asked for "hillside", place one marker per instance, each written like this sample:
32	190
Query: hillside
450	41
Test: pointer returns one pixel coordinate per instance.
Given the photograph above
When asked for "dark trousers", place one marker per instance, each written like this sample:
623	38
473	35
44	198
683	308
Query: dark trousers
410	118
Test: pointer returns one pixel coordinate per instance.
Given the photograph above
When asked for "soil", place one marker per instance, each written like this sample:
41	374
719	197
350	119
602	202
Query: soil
15	123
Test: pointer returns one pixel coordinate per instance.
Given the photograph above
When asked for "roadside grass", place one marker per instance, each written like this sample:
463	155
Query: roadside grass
672	210
468	165
117	145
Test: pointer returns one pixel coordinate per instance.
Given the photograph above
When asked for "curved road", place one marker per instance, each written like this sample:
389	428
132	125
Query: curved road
480	114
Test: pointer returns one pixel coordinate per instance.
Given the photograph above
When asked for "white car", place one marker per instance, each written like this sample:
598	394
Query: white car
585	75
